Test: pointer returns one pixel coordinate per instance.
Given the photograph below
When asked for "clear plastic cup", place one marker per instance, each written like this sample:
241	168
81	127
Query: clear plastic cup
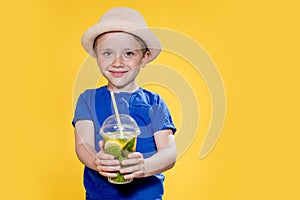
119	140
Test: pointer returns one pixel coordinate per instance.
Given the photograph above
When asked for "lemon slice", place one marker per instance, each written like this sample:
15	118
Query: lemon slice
110	143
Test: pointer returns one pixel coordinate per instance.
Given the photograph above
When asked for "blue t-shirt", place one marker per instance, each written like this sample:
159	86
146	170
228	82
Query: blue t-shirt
151	114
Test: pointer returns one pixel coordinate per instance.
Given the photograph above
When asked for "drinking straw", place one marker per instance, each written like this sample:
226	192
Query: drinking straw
116	111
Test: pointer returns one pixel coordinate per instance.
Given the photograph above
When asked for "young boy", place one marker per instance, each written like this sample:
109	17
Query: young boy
122	44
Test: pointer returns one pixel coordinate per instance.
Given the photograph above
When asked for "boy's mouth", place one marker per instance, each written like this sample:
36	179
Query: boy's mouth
117	73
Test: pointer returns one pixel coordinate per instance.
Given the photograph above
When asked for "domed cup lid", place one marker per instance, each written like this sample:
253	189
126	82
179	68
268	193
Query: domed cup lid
127	127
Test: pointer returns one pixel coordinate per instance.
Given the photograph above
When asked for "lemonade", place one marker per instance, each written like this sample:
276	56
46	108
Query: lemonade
119	140
119	146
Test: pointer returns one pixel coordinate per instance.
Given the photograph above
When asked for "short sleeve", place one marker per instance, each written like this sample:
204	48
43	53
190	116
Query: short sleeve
161	118
83	109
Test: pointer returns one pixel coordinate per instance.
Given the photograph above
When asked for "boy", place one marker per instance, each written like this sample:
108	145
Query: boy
122	44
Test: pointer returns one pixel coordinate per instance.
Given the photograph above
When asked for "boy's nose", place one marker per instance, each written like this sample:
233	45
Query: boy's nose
118	62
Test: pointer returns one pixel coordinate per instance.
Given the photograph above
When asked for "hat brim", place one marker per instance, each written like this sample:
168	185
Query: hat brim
143	33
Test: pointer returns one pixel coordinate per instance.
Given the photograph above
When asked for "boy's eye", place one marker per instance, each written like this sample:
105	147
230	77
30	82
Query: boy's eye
128	53
106	53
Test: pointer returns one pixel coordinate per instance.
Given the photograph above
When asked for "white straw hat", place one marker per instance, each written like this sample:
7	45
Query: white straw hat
125	20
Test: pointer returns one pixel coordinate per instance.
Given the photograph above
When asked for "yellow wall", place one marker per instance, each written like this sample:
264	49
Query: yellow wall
254	44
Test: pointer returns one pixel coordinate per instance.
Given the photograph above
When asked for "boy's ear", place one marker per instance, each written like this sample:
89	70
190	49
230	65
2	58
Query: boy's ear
145	58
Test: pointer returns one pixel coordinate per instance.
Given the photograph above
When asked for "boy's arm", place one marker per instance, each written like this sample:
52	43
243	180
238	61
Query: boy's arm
84	143
162	160
166	155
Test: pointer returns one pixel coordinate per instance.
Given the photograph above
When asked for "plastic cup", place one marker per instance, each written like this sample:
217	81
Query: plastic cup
119	140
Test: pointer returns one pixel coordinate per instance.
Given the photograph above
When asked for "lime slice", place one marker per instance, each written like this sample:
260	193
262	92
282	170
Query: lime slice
129	146
113	148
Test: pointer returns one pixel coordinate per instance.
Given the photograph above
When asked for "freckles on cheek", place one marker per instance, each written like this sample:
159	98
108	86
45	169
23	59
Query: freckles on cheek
103	66
103	69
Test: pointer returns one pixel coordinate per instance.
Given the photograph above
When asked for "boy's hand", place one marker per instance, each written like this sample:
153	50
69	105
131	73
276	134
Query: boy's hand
106	164
136	168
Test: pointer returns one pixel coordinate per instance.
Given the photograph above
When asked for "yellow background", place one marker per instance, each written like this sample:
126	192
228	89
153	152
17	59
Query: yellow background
255	45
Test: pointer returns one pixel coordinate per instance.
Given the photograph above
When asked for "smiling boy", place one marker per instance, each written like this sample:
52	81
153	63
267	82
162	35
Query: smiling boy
122	44
120	57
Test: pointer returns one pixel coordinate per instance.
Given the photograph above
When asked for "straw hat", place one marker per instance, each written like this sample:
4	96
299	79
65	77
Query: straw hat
125	20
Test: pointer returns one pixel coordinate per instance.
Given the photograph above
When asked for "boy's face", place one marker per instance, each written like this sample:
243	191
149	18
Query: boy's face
120	57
